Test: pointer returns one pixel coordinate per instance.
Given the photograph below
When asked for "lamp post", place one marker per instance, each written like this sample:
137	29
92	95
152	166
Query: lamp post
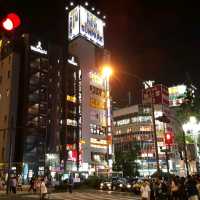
106	72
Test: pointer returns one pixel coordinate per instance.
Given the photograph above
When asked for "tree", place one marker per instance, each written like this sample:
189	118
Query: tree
125	161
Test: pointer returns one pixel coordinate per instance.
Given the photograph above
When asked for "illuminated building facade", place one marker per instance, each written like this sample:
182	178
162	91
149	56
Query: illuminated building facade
132	126
86	42
42	89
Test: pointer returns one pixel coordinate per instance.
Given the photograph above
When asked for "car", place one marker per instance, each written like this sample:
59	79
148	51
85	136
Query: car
106	185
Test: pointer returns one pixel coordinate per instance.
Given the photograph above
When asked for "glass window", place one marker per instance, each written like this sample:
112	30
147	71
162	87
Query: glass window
8	74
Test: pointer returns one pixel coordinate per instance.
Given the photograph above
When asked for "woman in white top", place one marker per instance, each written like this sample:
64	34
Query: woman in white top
43	189
145	191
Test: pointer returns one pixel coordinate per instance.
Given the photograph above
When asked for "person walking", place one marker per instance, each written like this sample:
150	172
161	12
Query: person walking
19	182
43	189
191	189
13	184
70	183
32	185
145	191
174	189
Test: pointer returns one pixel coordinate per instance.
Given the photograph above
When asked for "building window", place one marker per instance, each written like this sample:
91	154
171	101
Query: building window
0	97
5	118
8	74
1	78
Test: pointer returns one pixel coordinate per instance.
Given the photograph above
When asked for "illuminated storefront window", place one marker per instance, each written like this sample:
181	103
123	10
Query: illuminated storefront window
71	98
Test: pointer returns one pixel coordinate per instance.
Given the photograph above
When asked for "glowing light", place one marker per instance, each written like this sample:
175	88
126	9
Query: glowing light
71	3
11	22
8	25
193	120
93	8
86	3
107	71
98	12
66	8
104	17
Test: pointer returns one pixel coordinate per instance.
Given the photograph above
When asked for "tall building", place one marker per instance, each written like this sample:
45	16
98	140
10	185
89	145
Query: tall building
39	88
86	42
132	126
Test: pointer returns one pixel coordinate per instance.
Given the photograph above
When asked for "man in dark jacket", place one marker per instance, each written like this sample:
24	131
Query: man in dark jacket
191	189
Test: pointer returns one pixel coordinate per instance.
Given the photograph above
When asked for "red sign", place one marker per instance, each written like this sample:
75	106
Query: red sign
158	94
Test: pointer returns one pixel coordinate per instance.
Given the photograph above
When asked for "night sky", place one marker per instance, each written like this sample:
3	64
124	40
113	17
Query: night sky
157	40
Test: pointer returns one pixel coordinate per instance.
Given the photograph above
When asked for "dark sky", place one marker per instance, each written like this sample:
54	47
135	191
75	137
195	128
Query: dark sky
157	40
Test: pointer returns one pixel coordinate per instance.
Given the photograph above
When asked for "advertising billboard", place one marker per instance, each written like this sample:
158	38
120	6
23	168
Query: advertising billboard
84	23
91	27
177	95
160	95
73	23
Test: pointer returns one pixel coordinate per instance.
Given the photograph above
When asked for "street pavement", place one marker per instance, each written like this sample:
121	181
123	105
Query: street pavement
77	195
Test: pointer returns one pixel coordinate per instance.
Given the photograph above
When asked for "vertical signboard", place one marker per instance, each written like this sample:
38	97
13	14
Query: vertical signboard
160	95
73	23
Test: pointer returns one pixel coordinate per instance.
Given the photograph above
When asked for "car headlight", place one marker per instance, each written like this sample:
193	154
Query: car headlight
108	184
101	184
120	185
128	186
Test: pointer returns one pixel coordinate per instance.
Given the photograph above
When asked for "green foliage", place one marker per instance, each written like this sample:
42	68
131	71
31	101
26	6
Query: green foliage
125	161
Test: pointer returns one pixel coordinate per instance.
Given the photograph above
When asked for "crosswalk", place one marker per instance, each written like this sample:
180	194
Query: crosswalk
95	195
77	195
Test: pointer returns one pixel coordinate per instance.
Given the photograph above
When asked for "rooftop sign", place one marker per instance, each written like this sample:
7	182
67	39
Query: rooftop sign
84	23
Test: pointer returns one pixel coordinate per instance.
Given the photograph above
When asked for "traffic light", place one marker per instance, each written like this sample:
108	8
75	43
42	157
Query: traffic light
11	22
168	138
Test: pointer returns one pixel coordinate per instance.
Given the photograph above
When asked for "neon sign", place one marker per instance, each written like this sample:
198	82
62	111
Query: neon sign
38	48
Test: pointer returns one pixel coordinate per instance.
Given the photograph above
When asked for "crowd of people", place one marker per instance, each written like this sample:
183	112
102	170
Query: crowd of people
171	188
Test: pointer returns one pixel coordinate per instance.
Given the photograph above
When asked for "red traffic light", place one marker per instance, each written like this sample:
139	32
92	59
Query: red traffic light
11	22
168	139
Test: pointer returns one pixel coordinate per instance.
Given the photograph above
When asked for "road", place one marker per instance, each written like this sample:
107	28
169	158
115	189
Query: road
79	195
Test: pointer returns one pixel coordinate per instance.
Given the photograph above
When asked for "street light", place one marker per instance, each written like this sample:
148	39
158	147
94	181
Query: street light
106	73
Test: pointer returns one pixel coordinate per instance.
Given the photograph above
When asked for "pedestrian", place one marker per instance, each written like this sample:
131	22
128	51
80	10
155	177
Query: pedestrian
1	184
70	183
181	191
19	182
145	190
174	189
13	184
191	189
198	186
43	189
32	185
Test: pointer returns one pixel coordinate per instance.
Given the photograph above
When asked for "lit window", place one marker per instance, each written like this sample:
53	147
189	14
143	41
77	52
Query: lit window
71	98
0	97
